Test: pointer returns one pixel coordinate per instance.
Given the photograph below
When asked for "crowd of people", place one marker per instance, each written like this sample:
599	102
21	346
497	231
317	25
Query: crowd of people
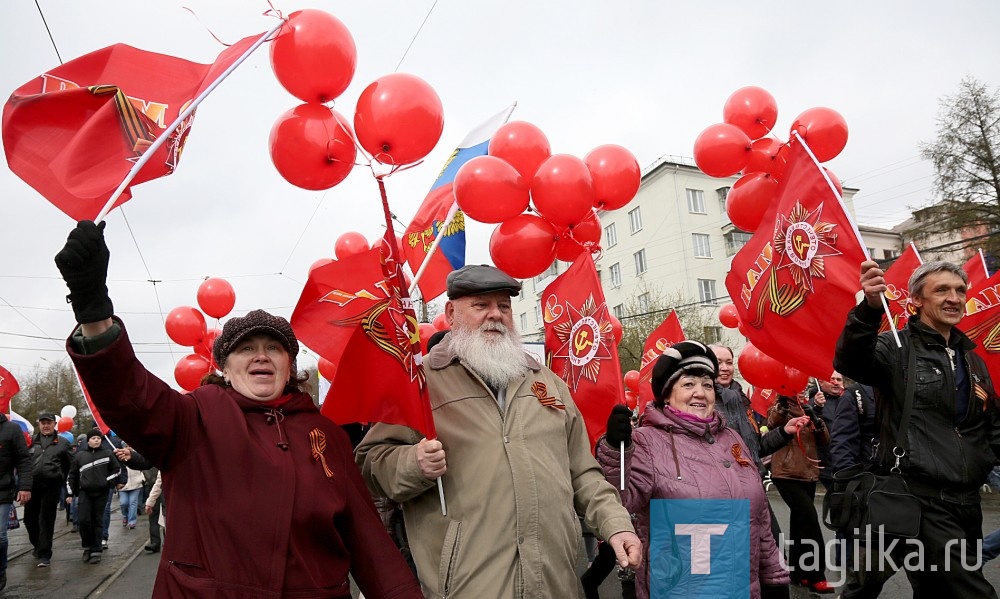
252	469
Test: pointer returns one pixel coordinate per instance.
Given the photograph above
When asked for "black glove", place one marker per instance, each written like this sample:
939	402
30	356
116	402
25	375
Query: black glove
768	591
83	262
619	426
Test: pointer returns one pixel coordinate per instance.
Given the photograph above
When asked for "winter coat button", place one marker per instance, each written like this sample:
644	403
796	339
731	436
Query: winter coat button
727	463
520	540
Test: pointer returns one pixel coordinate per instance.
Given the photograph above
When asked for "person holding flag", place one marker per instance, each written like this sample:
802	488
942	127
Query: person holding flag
513	455
938	423
265	499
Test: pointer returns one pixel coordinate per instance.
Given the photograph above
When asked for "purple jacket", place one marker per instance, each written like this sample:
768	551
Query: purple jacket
671	458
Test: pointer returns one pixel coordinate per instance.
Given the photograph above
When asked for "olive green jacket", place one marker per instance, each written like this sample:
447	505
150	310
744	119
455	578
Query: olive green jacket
514	485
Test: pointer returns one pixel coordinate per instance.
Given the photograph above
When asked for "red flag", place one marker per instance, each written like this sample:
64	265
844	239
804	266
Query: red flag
74	132
795	281
897	292
436	210
665	335
90	404
976	269
761	400
352	313
982	322
579	343
8	389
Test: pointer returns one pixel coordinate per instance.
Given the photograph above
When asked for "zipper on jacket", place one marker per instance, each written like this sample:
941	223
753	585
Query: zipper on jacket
274	416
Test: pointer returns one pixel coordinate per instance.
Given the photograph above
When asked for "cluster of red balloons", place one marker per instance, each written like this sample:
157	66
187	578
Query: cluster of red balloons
764	372
564	191
427	329
631	389
187	326
739	145
398	118
351	243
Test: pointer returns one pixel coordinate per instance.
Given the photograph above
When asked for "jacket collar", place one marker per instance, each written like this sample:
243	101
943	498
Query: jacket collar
928	335
442	355
663	418
300	402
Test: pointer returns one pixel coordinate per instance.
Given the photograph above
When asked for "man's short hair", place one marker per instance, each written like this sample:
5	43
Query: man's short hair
919	277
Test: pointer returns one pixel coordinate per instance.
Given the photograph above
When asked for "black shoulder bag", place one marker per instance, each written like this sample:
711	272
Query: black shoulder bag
860	497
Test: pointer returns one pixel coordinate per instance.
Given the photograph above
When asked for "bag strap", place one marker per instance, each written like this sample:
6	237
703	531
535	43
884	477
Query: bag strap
904	421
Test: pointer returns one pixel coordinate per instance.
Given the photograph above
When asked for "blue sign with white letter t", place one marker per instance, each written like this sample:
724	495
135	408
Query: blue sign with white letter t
699	548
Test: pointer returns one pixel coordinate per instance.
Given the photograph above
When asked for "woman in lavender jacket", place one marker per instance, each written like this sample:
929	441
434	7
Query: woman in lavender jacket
682	449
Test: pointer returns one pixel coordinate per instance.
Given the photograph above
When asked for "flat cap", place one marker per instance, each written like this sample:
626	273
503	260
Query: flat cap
680	358
256	322
480	278
47	416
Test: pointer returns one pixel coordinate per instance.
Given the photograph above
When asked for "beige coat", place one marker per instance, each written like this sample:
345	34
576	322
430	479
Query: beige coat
515	483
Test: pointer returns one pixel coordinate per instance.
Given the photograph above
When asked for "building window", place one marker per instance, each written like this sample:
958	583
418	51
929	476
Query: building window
696	201
635	220
723	193
871	251
702	249
538	312
616	275
640	262
888	254
618	311
610	236
524	321
712	335
642	302
706	291
735	240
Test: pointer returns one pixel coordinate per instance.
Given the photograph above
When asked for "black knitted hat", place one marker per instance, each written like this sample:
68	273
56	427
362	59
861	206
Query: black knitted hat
257	322
680	358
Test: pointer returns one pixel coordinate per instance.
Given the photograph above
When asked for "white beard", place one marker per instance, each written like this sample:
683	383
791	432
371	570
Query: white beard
497	360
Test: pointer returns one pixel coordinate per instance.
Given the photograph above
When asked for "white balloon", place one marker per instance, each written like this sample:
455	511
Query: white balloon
68	412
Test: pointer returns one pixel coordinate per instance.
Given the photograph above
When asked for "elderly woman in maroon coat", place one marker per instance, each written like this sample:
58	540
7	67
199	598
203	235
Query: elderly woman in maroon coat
264	499
682	449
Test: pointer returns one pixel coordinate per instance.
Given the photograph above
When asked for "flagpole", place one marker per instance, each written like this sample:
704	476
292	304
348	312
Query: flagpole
437	241
621	450
854	227
162	138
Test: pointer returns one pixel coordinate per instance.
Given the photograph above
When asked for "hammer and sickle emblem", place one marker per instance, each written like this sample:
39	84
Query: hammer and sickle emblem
581	343
800	243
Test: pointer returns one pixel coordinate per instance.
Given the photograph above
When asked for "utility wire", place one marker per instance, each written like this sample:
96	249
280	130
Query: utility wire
415	35
49	31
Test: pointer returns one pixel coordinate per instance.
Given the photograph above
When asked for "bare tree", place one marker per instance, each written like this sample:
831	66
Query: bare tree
47	388
966	158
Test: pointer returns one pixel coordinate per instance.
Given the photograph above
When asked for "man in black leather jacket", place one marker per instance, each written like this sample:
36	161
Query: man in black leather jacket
952	436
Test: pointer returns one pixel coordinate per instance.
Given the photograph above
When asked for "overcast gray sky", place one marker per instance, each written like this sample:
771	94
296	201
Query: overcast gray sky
649	75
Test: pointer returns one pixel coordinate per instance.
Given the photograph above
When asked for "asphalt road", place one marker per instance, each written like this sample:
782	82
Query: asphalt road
127	572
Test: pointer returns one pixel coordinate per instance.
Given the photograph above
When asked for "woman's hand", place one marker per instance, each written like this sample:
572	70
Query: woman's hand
794	425
83	263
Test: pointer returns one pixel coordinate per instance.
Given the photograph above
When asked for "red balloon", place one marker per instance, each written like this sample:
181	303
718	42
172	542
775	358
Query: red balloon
349	244
588	229
616	329
326	369
64	424
524	246
189	371
216	297
204	349
567	248
382	244
616	176
314	56
490	190
721	150
312	146
563	190
631	399
522	145
780	163
752	109
824	130
426	329
835	180
749	199
760	369
795	381
440	322
320	262
398	119
763	153
185	326
632	380
729	317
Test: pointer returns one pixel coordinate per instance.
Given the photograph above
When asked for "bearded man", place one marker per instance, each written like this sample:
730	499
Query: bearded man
512	453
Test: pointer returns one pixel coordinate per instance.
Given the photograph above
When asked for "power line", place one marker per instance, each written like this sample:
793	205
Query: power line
49	31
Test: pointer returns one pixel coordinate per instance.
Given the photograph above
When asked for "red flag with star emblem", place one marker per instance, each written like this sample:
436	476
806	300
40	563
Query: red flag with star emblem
982	322
75	132
975	267
353	313
897	292
579	343
8	389
795	281
665	335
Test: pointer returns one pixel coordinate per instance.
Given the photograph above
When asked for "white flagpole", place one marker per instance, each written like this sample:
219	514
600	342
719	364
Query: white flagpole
162	138
857	234
621	449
